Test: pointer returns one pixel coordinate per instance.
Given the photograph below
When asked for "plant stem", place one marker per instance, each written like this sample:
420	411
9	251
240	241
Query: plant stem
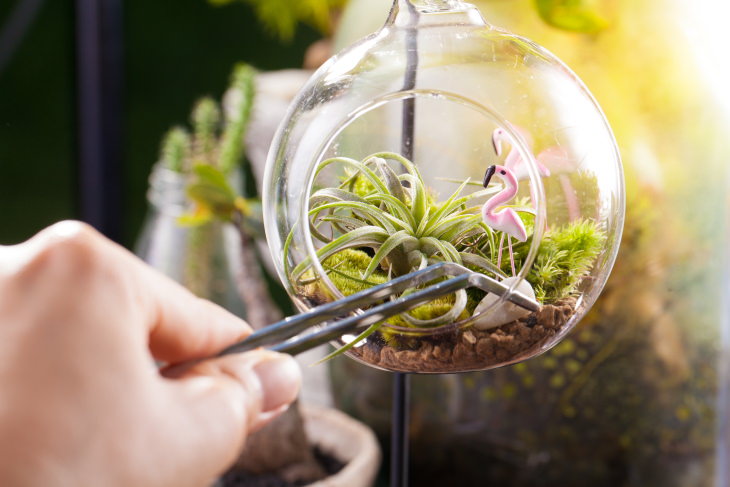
260	308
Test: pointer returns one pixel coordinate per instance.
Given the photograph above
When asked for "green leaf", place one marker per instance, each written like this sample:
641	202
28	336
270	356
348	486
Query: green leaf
394	206
474	261
390	244
361	237
392	182
344	223
447	207
409	166
329	195
210	175
572	15
281	17
211	190
358	167
434	245
425	221
450	228
384	219
362	336
449	317
420	198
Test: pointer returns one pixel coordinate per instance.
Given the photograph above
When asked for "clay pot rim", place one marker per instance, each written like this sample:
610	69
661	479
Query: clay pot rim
351	441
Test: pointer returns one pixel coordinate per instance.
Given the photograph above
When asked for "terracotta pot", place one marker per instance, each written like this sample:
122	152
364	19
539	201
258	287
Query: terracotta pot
348	440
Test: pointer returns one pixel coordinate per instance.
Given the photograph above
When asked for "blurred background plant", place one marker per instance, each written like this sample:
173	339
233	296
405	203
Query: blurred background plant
201	229
281	17
166	66
171	56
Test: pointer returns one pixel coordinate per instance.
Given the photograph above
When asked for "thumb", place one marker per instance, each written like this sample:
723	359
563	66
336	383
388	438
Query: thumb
220	401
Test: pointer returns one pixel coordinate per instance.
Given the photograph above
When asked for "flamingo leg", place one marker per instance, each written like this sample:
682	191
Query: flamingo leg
499	255
511	256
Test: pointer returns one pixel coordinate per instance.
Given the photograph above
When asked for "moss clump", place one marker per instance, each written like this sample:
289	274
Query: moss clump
346	268
566	255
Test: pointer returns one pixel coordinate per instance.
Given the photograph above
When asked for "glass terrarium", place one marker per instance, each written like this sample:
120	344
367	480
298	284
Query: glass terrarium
444	139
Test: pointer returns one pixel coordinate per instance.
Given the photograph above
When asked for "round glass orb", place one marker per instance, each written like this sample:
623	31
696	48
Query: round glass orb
444	139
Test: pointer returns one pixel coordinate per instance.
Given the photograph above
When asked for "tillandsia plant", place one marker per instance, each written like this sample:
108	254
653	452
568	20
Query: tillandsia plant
381	221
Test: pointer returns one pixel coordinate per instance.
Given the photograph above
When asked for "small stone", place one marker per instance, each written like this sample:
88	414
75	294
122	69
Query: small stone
506	312
457	350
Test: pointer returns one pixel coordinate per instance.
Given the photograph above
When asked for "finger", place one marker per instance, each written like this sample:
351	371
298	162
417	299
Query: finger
178	325
188	328
182	326
220	401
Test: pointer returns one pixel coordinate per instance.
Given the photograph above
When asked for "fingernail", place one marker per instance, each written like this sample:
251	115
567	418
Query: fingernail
280	379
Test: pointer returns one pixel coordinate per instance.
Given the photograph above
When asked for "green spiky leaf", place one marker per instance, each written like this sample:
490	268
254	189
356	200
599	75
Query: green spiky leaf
573	15
237	117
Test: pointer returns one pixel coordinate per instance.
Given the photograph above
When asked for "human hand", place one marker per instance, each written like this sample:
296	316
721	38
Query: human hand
81	400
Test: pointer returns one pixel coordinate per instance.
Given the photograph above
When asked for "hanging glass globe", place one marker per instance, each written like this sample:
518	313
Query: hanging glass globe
442	138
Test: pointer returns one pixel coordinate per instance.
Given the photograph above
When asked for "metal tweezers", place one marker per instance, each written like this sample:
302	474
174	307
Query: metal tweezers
351	314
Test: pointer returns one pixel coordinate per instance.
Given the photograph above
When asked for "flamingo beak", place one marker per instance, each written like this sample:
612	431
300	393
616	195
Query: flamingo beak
488	175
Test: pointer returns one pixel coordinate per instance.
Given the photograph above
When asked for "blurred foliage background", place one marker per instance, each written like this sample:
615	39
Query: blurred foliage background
174	54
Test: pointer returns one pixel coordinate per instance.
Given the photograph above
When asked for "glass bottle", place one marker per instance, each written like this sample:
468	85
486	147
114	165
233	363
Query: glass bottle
202	258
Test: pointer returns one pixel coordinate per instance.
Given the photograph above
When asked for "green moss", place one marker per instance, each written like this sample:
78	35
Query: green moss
345	270
565	256
358	184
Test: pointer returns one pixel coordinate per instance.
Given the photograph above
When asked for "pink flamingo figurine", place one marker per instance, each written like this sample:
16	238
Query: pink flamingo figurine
514	161
506	219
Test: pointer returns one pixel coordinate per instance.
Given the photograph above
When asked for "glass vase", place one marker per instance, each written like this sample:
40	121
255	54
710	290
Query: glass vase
379	171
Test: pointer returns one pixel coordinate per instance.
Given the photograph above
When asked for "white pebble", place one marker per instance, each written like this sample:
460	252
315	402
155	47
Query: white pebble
507	312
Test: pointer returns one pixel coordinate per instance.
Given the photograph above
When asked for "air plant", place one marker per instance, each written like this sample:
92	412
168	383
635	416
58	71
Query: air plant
376	224
396	217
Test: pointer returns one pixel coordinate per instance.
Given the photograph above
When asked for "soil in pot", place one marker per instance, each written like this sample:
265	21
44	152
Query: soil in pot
239	478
